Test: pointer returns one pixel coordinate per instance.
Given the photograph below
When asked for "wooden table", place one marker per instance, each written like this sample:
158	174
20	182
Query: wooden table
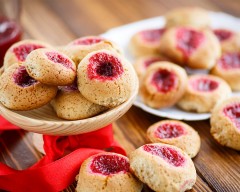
59	21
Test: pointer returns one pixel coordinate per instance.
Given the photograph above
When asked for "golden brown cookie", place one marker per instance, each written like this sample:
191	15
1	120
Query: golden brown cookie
163	84
188	16
203	93
146	42
19	91
50	67
225	123
106	78
175	133
195	48
163	167
228	68
107	172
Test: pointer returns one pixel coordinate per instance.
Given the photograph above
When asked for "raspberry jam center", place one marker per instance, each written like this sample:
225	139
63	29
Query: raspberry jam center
233	113
22	78
22	51
150	61
59	59
230	61
164	80
169	130
223	34
204	85
87	41
109	164
168	154
188	40
153	35
103	66
72	87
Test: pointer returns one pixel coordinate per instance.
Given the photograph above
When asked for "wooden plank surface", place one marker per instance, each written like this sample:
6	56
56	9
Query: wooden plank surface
60	21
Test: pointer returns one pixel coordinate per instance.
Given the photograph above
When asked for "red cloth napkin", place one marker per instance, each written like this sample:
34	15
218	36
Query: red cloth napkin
6	125
59	167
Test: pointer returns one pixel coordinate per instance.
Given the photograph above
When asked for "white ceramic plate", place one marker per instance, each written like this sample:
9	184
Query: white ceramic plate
121	36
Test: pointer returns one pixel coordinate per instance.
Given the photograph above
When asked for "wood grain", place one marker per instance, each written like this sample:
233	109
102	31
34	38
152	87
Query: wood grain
60	21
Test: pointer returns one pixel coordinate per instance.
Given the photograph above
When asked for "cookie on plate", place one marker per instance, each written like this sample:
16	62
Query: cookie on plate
175	133
225	123
203	93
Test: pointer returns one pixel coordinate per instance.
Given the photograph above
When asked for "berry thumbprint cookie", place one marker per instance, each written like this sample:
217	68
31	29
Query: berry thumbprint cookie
50	67
228	68
163	85
19	91
146	42
175	133
163	167
203	93
106	78
225	123
198	49
18	52
107	172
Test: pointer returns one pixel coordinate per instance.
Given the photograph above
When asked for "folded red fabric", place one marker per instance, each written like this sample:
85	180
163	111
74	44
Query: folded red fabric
59	167
6	125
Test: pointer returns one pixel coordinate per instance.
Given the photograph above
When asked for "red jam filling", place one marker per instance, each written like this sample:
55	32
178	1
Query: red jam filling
152	35
164	80
87	41
103	66
22	78
22	51
169	130
109	164
188	40
72	87
150	61
168	154
58	58
204	85
223	34
233	113
230	61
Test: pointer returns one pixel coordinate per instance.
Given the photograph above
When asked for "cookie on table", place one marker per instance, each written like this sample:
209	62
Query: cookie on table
146	42
106	78
71	105
229	40
163	167
225	123
163	84
19	91
142	63
188	16
79	48
191	47
50	67
19	51
175	133
203	93
107	172
228	68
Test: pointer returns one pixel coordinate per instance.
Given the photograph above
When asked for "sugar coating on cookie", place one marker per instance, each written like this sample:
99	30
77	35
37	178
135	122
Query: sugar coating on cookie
225	123
19	91
191	47
163	85
175	133
202	91
228	68
163	167
107	172
19	51
188	16
71	105
50	67
106	78
146	42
